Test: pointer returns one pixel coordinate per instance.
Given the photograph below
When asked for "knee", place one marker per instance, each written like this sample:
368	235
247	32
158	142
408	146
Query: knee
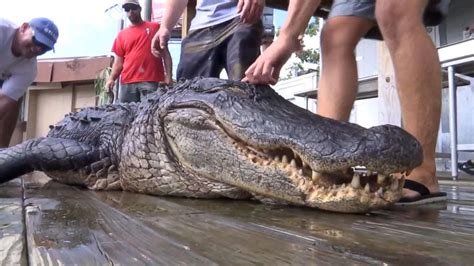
335	41
396	18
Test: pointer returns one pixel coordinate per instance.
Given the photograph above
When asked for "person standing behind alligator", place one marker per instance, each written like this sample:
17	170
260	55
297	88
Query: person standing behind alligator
19	47
416	65
224	34
141	72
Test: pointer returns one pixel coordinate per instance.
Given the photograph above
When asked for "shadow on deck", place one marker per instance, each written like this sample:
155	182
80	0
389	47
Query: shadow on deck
47	223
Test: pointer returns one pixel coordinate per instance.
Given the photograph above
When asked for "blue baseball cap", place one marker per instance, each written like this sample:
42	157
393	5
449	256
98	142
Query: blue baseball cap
45	31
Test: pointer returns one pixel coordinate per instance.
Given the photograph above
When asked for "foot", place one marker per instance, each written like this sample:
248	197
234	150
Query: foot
422	176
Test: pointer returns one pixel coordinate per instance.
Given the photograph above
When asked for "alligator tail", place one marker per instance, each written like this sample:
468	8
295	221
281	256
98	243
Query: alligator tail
44	154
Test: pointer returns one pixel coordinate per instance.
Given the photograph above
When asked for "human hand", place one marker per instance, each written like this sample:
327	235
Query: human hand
266	69
250	10
110	85
160	41
168	80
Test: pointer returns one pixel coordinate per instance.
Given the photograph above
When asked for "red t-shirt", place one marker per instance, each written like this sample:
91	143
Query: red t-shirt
134	45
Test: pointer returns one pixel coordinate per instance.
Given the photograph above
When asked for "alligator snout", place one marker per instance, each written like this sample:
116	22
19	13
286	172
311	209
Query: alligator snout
392	149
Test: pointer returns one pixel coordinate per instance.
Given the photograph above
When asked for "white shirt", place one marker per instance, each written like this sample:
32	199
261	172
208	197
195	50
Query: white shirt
17	73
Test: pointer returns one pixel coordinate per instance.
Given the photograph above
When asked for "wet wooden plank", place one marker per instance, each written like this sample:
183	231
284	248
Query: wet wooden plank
408	235
12	241
224	239
70	225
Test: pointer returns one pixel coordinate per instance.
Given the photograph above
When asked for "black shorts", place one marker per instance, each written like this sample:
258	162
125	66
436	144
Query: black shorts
231	45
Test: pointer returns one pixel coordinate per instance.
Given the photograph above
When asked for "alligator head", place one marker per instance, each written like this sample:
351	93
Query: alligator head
211	138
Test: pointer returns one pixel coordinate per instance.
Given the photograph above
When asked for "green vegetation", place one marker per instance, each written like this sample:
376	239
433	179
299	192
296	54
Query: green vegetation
305	56
102	92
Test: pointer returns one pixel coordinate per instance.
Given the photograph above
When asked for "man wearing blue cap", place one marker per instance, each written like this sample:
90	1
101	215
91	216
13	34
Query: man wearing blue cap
19	47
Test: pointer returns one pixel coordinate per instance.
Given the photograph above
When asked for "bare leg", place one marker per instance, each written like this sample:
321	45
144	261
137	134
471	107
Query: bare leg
338	83
418	77
9	110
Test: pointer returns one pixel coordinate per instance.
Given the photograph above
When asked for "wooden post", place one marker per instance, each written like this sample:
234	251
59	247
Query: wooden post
389	103
148	10
188	15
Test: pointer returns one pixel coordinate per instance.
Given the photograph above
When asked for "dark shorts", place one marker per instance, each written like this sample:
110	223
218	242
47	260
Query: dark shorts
231	45
137	92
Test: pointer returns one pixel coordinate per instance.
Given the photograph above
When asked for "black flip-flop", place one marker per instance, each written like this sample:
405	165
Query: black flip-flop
425	196
467	167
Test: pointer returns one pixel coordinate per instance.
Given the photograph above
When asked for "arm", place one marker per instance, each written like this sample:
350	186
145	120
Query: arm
168	65
250	10
117	67
266	69
173	10
9	110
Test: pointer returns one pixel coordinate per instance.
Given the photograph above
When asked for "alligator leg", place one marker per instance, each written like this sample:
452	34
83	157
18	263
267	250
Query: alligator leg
45	154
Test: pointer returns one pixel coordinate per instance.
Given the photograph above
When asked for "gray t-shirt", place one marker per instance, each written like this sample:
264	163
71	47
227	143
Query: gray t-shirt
17	73
213	12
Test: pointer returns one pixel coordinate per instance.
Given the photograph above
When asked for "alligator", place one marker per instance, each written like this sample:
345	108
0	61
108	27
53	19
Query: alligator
212	138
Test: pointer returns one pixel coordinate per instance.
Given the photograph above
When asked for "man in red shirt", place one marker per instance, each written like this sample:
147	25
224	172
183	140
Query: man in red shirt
140	71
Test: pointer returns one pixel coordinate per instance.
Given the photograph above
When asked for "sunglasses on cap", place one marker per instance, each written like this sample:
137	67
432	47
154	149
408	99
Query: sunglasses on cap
44	47
130	7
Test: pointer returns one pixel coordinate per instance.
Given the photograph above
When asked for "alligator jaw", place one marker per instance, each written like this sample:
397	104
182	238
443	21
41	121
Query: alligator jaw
348	190
252	139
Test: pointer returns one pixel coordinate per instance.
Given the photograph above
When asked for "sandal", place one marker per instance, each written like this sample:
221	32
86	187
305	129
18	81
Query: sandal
467	167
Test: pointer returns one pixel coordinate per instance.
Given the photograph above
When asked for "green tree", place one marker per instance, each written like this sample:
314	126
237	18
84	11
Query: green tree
101	91
309	55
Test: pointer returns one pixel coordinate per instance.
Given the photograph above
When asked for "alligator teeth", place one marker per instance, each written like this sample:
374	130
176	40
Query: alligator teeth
293	163
379	192
394	185
380	179
315	176
301	182
367	187
277	158
284	159
305	164
355	183
300	172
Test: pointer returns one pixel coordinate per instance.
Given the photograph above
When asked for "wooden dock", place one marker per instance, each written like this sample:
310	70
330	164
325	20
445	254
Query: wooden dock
47	223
